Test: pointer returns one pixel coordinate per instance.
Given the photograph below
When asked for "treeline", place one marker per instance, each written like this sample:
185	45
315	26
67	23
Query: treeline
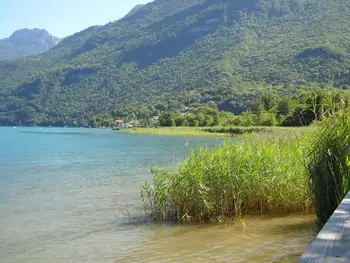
297	110
266	108
270	109
168	53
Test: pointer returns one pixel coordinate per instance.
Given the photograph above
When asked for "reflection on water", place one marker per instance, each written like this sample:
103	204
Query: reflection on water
67	199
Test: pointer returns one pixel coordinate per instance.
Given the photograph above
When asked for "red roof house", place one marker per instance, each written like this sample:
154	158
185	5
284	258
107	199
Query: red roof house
119	123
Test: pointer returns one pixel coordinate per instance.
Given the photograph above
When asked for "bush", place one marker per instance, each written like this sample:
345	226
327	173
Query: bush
267	119
166	120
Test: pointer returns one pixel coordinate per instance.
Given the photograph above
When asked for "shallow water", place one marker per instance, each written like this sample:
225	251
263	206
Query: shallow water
71	195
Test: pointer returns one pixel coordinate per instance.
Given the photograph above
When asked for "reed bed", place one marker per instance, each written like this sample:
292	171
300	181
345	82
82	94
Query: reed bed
215	131
328	164
173	131
275	172
249	176
237	130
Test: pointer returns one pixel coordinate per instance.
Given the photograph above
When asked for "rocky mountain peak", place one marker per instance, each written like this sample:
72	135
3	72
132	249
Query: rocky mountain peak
27	42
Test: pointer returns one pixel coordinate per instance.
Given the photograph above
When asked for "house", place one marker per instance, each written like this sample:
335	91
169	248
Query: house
155	119
119	123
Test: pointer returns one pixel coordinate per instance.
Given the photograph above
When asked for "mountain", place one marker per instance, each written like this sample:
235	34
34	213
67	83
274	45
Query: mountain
26	42
171	54
134	10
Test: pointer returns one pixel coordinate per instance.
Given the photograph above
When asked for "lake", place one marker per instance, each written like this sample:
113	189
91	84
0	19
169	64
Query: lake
73	195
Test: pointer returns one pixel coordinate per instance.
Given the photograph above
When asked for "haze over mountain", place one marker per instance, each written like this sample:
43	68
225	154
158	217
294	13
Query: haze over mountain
26	42
178	53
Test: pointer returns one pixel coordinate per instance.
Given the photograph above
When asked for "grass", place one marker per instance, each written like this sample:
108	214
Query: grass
172	131
277	172
237	130
250	176
328	164
210	131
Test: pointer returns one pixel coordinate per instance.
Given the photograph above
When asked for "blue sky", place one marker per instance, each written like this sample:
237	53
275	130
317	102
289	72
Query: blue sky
60	17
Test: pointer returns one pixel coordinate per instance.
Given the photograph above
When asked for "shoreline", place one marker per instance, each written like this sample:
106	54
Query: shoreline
210	131
213	132
174	131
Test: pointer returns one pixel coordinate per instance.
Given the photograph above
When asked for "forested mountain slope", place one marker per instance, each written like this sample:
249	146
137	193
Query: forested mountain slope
181	52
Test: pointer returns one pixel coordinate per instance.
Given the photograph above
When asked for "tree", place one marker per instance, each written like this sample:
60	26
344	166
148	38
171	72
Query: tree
166	120
283	107
161	107
226	118
248	119
268	101
209	121
151	122
267	119
211	116
106	122
201	119
179	120
190	119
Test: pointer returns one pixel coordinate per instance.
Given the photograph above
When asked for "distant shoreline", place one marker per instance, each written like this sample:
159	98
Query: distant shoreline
218	132
213	131
173	131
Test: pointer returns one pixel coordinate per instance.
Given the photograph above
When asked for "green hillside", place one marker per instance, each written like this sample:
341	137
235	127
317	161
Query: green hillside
175	53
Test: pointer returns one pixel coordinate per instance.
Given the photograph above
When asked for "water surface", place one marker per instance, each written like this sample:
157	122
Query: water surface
72	195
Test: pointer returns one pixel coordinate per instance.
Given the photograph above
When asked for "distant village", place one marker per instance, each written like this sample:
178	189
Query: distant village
121	124
117	124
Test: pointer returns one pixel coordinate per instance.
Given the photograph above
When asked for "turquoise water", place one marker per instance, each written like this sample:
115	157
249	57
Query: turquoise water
72	195
59	185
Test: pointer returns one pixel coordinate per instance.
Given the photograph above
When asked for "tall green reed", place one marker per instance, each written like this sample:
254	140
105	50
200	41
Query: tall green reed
236	130
232	180
328	164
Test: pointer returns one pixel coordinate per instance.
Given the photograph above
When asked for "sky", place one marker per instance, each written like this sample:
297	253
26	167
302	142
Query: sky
61	18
